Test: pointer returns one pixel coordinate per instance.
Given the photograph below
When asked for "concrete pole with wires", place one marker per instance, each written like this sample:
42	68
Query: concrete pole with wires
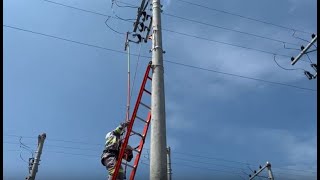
169	163
38	153
158	145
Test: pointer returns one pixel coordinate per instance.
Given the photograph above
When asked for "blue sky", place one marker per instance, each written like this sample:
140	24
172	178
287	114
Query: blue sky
218	126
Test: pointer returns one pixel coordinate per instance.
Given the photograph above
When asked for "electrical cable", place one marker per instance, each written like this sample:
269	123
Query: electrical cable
302	39
309	58
237	31
274	59
127	6
106	22
172	62
240	76
168	30
241	16
177	152
124	19
221	42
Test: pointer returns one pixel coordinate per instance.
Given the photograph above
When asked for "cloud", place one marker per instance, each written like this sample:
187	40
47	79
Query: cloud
298	150
228	59
175	117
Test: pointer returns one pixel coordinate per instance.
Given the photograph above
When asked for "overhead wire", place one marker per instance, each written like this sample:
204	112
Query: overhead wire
229	29
172	62
115	14
174	152
308	58
302	39
63	147
137	64
221	42
240	76
190	35
106	22
241	16
294	69
122	6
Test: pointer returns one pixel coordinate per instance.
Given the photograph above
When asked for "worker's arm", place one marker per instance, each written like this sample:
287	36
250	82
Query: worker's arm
120	128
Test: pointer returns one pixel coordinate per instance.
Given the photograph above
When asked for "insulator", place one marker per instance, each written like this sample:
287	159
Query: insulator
138	36
144	14
249	175
313	35
255	171
302	48
292	58
260	167
141	27
308	74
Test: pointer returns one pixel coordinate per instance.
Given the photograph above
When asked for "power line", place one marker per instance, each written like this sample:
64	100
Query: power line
72	7
240	76
181	33
244	17
64	39
225	43
175	152
220	27
172	62
208	163
58	140
291	69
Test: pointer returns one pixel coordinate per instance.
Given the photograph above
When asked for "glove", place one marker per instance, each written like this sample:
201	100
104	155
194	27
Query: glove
125	124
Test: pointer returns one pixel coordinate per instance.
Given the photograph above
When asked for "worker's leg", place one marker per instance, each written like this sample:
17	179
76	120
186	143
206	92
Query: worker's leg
110	165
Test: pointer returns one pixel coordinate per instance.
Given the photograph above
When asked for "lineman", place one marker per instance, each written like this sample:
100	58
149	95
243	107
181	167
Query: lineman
112	149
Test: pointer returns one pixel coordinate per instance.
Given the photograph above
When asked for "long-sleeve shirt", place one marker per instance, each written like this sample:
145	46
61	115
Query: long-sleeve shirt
113	139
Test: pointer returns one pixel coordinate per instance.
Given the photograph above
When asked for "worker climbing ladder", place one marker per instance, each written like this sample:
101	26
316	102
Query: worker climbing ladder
130	132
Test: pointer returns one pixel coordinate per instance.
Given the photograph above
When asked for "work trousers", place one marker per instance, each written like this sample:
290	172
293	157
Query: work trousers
110	163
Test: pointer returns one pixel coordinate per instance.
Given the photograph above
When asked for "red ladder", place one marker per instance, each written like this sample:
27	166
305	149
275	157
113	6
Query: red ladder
131	132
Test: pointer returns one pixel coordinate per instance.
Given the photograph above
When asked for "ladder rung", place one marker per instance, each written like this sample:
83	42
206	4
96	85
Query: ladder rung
127	165
145	105
136	133
141	119
149	78
147	91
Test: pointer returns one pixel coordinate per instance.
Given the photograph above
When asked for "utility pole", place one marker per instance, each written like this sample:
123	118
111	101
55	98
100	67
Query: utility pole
304	50
158	160
35	163
256	173
169	163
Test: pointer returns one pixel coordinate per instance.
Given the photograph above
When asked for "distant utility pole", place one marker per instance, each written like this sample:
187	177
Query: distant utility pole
169	163
304	51
35	162
256	173
158	160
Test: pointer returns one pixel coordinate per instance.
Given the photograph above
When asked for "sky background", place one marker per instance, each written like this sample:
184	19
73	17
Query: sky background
218	126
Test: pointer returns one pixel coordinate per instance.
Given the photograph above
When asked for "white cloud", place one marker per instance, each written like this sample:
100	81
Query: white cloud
175	118
300	151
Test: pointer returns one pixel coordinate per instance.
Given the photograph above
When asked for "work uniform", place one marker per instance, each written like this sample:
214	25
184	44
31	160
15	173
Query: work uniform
111	151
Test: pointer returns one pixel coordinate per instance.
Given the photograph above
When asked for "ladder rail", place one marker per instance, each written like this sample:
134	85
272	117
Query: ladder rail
129	127
136	161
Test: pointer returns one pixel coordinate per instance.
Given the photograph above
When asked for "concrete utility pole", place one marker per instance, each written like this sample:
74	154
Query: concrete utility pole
158	145
269	171
169	163
256	173
304	50
36	161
